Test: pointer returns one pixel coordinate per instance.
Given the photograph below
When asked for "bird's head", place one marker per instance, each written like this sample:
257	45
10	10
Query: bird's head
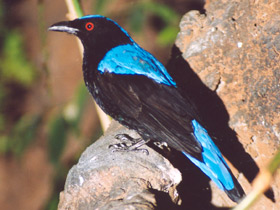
95	31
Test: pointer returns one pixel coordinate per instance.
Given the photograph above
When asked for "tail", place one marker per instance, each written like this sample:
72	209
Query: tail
214	165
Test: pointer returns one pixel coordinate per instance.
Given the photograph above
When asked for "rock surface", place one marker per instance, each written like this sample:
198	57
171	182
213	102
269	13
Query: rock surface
235	50
103	179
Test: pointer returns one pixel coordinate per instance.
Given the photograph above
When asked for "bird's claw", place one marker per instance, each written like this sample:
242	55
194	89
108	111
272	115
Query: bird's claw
127	138
123	147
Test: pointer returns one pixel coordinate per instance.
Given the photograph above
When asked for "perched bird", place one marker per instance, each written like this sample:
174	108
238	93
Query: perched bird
134	88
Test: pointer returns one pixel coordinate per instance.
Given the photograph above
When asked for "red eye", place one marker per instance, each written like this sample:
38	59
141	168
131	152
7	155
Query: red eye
89	26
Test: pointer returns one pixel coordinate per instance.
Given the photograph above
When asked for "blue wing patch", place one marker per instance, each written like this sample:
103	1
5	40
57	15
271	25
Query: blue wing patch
132	59
214	165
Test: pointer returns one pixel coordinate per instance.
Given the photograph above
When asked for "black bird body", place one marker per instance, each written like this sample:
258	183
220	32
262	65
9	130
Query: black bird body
147	107
131	86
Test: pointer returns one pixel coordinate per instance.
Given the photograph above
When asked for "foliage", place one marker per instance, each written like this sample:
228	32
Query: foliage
67	121
143	9
139	14
14	67
22	134
16	73
57	138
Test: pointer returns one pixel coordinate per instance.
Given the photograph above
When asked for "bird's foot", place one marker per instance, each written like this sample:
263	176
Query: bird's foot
160	144
127	138
124	147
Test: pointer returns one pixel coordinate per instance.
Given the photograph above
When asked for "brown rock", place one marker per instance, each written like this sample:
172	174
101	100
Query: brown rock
235	50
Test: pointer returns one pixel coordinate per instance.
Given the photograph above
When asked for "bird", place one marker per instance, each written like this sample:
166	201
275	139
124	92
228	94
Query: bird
134	88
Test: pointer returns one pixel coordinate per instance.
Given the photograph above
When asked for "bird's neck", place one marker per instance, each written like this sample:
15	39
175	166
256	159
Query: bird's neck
91	59
94	52
90	63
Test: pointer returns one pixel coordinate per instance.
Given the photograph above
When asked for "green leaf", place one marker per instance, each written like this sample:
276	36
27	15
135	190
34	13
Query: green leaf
100	6
166	13
3	144
13	63
57	138
53	202
167	35
23	134
141	10
137	19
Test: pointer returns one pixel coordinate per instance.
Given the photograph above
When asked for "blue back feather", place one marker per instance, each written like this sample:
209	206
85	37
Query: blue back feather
213	165
132	59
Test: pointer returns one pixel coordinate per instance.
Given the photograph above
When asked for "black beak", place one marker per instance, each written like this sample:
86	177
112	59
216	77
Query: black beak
64	26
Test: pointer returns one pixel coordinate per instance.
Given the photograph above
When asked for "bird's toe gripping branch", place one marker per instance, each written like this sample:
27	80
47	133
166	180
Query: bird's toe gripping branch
135	143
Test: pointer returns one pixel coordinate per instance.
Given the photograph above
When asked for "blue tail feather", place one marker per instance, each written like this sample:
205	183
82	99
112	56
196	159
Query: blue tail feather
213	165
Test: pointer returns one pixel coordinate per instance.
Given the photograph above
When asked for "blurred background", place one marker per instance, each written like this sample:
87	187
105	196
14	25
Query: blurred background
47	117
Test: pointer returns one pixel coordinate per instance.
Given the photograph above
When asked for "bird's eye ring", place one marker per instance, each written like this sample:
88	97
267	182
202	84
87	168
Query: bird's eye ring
89	26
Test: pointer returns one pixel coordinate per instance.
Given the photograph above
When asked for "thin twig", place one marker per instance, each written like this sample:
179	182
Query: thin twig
260	184
75	11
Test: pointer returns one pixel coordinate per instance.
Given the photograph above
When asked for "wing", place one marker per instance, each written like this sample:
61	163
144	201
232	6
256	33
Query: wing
155	110
133	60
143	96
159	112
